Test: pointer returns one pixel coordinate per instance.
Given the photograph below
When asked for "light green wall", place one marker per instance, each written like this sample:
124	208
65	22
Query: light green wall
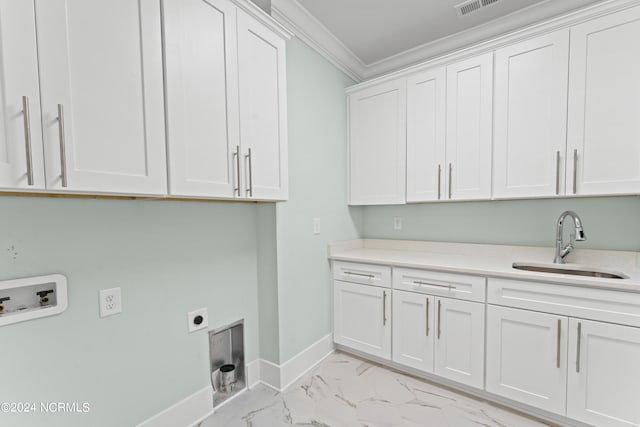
610	222
269	327
169	258
317	180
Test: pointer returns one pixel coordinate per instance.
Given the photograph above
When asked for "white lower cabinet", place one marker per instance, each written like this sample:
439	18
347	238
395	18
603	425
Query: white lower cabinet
362	318
534	346
413	330
604	373
527	357
459	348
439	335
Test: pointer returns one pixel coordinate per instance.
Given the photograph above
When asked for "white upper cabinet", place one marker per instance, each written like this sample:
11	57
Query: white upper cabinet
530	117
426	122
377	144
263	111
469	128
604	106
202	97
21	162
102	95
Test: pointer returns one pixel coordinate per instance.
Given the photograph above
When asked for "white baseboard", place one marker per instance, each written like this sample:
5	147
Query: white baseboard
301	363
195	408
191	410
270	374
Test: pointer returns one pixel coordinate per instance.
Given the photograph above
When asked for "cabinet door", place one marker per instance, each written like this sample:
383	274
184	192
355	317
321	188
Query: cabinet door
531	117
377	144
21	162
361	318
459	351
413	330
469	128
604	106
604	373
102	95
202	97
426	122
263	110
527	357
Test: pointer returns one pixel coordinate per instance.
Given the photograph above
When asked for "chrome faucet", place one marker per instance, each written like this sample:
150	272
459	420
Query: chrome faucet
563	251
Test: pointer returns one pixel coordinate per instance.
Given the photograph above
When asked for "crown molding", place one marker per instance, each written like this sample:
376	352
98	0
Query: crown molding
548	10
256	12
292	15
522	24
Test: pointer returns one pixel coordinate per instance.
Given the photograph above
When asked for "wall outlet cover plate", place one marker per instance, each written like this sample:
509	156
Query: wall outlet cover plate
198	319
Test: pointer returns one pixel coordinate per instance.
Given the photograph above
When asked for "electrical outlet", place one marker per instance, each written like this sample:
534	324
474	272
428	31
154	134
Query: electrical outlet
397	223
198	319
316	225
110	302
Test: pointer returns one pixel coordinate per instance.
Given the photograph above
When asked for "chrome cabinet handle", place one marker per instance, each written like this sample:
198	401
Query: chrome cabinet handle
27	138
450	174
384	308
439	310
420	282
63	154
558	343
236	189
575	171
578	347
370	276
427	313
250	189
439	181
557	172
237	157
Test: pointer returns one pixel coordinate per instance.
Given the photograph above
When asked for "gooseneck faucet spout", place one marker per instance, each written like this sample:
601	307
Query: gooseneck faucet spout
563	250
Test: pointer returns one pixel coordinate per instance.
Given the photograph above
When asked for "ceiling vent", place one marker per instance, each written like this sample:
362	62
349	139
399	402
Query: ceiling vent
471	6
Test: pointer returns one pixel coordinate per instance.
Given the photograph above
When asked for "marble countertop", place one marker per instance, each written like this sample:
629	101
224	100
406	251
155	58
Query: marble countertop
492	260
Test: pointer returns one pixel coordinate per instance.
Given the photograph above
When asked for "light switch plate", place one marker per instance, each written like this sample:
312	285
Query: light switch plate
110	302
316	225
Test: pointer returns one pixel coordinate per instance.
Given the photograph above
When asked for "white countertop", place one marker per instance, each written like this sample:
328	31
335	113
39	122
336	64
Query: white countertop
491	260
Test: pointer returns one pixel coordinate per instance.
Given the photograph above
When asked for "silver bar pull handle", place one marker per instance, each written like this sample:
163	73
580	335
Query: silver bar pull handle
420	282
558	343
27	138
578	347
427	313
236	155
439	181
450	174
250	189
384	308
557	172
439	310
350	273
575	171
63	153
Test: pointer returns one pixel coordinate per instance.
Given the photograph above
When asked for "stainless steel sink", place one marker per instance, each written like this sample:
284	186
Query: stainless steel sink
575	270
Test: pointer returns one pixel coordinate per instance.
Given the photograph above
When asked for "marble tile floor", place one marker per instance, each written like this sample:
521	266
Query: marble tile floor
346	391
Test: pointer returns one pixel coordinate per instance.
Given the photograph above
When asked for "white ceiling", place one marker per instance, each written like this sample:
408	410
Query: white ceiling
376	29
378	33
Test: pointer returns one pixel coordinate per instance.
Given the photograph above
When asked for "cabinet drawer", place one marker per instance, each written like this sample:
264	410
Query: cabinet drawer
460	286
587	303
370	274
